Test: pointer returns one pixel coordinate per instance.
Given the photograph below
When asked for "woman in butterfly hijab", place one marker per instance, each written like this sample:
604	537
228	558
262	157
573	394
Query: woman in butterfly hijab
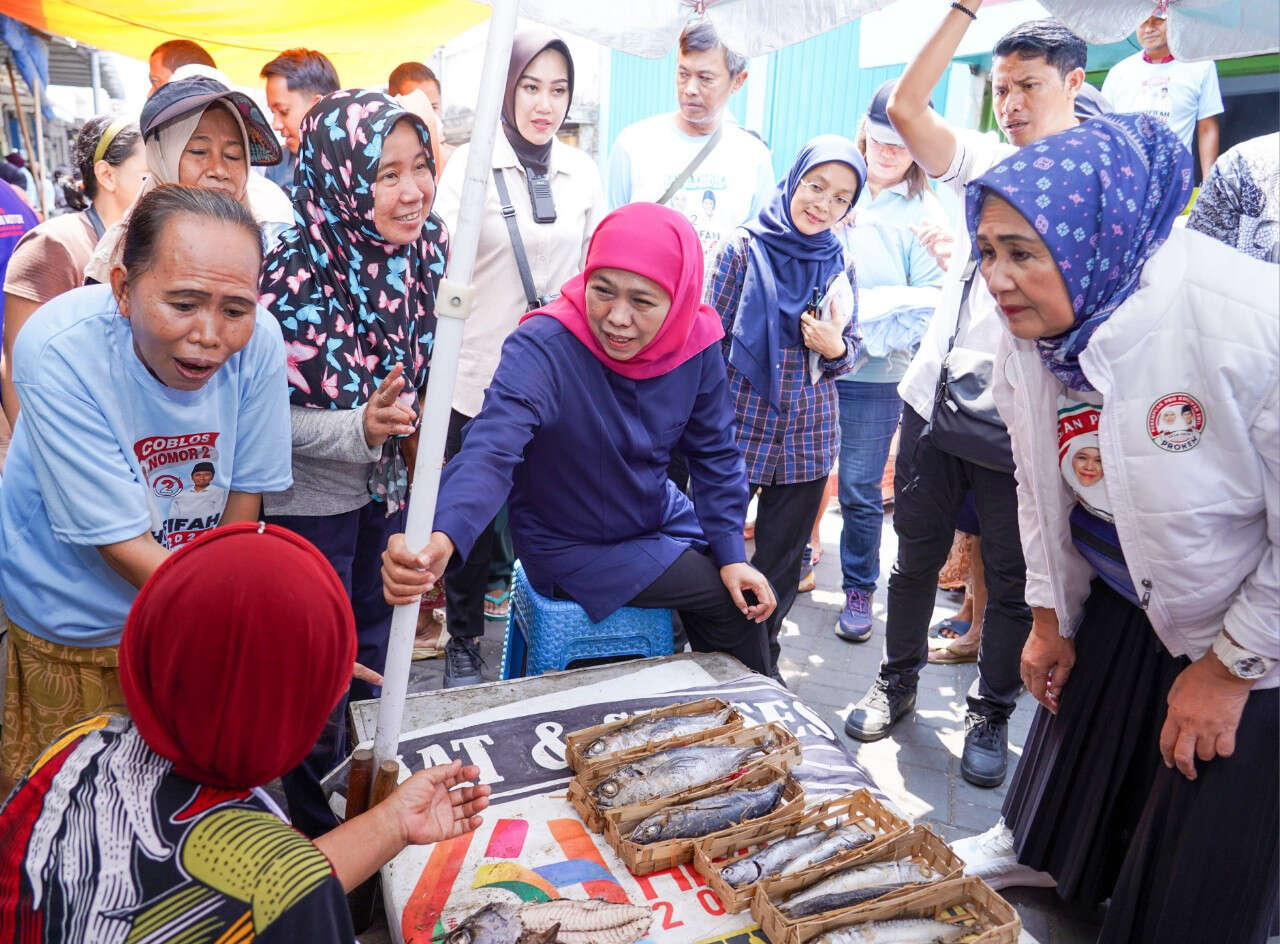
353	285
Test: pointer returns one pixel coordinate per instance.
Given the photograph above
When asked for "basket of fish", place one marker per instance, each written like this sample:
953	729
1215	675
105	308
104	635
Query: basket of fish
659	834
957	911
854	821
843	885
641	775
559	921
707	716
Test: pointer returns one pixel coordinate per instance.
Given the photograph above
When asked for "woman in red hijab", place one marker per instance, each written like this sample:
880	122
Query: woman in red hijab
591	395
155	824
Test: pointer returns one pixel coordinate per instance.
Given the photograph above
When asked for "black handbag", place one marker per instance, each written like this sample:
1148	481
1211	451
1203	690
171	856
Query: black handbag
965	422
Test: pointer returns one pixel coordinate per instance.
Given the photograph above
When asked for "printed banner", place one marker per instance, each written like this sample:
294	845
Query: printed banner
533	846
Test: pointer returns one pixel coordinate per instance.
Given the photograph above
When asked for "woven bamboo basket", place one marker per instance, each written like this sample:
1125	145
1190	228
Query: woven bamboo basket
576	742
919	843
963	901
786	754
859	808
643	859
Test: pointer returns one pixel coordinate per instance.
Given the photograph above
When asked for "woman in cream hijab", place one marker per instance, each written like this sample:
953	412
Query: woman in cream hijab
200	133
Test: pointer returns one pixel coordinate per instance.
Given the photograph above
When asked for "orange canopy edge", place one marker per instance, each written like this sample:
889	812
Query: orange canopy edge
364	40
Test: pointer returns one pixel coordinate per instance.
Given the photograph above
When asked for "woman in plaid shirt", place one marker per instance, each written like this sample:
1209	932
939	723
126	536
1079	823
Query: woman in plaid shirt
765	282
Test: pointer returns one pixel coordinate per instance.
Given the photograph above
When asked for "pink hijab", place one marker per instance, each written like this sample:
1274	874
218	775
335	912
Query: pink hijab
660	244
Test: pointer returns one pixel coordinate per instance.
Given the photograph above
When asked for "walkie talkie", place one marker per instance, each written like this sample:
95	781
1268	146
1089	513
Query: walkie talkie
540	199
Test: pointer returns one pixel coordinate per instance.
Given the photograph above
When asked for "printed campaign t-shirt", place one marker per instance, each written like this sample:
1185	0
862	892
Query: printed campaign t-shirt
1181	93
726	190
172	861
1093	530
102	452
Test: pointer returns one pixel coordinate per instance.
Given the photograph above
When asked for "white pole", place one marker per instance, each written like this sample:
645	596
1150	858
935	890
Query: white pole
452	305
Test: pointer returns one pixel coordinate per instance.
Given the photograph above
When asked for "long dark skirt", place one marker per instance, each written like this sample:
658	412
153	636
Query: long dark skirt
1092	803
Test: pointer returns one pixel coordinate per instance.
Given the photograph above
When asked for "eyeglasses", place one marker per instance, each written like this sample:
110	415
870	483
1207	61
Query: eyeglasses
817	193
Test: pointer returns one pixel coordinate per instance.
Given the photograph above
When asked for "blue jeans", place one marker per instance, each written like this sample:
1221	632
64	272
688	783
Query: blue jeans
868	417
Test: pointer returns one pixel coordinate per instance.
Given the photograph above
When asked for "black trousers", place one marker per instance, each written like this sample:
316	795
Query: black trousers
930	486
784	519
693	588
466	584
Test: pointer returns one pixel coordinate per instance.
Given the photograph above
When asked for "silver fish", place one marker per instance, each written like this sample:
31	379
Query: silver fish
841	840
669	772
498	923
772	858
853	885
902	931
643	730
700	817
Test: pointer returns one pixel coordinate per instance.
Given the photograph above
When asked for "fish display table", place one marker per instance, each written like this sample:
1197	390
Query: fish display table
532	845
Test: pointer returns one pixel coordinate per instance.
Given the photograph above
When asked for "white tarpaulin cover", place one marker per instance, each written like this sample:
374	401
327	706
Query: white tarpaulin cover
1198	29
650	28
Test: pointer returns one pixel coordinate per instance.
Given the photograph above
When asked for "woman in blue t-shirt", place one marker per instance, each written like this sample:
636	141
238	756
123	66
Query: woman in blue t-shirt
126	389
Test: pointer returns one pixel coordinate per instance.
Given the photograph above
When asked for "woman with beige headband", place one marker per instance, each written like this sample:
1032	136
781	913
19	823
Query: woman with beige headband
51	258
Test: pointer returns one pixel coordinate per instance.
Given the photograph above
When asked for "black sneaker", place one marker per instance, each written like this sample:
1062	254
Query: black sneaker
462	661
880	709
986	750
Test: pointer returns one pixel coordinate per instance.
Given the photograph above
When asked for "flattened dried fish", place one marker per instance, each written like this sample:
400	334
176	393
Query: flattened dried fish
670	771
593	921
700	817
853	885
643	730
905	931
841	840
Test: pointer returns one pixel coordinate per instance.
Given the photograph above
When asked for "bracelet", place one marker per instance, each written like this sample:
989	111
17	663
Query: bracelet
965	10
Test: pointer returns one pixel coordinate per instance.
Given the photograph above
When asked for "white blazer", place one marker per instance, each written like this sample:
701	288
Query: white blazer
1195	494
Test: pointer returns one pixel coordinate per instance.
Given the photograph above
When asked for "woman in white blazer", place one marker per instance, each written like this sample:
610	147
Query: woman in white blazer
1139	385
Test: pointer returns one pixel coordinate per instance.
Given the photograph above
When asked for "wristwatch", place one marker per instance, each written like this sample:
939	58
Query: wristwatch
1240	662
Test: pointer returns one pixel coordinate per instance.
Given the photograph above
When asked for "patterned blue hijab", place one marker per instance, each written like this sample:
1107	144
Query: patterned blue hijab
1103	196
783	268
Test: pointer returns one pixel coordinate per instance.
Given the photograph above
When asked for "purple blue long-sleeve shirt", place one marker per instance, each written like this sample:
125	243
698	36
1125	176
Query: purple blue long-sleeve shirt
581	454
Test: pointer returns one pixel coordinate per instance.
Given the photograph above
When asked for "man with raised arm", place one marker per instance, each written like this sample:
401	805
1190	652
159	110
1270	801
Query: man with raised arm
1038	69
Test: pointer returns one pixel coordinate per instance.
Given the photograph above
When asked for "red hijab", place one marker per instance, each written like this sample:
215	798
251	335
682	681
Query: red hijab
235	653
660	244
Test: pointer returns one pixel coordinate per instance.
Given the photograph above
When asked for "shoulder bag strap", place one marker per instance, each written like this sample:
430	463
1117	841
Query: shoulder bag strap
693	165
517	244
970	273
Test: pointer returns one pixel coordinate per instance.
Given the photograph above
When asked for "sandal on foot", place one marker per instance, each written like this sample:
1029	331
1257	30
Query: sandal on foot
952	654
949	628
496	600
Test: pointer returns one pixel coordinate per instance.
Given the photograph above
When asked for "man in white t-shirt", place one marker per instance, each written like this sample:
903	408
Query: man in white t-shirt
729	185
1184	94
1037	72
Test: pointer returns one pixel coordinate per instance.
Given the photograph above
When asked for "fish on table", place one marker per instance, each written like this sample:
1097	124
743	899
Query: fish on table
854	885
839	840
772	858
898	931
643	730
670	771
559	921
710	814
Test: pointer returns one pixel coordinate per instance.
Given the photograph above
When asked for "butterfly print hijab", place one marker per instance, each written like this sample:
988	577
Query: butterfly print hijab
350	304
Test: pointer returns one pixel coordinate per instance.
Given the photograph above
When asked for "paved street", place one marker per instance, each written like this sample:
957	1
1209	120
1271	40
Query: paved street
918	767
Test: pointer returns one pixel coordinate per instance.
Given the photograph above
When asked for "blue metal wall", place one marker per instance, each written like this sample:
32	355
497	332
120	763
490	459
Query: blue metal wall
812	87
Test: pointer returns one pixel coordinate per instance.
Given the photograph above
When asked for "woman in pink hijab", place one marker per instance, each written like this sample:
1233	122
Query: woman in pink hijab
591	395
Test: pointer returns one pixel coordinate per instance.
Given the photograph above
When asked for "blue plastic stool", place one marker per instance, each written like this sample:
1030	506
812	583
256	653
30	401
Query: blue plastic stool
545	634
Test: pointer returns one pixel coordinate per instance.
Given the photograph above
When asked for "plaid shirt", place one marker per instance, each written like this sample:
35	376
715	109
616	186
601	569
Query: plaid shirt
800	443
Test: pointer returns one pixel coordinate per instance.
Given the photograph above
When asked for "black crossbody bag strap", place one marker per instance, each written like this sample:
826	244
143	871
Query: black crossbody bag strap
692	165
517	244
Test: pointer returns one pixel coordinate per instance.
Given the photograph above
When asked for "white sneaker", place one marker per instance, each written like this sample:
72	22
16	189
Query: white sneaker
991	857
